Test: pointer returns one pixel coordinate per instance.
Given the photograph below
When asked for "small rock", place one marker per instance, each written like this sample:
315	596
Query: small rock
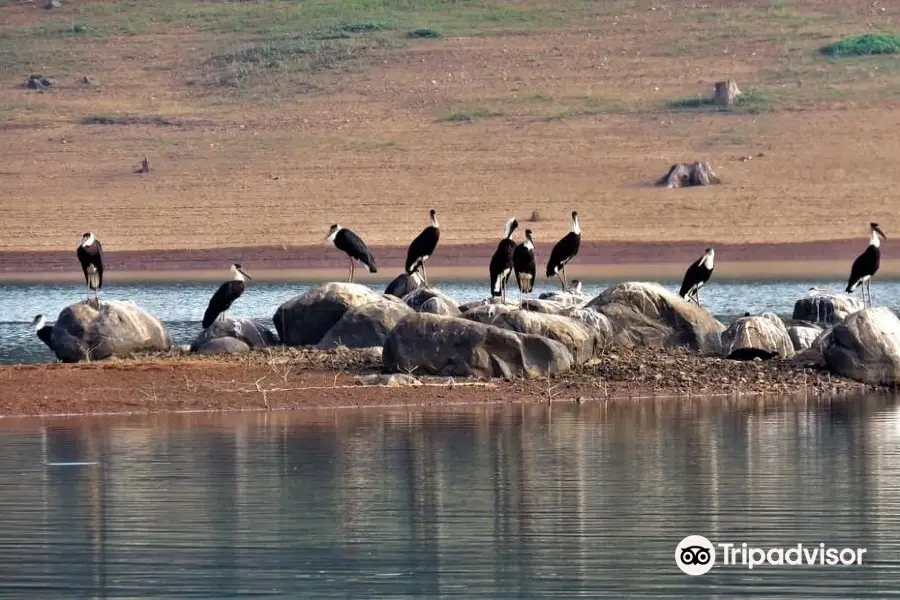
394	380
52	4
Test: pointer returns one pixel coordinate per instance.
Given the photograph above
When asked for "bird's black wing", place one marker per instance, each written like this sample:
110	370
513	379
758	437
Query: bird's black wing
865	264
563	251
354	247
219	302
691	277
423	245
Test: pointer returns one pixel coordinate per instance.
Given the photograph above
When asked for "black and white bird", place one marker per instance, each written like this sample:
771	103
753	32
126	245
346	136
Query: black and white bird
43	331
564	251
227	293
697	275
351	245
523	264
422	247
90	255
502	261
866	265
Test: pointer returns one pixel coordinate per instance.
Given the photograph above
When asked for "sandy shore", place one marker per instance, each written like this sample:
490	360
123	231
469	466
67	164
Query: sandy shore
810	260
294	379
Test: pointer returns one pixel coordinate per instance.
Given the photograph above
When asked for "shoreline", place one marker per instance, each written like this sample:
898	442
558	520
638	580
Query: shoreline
596	260
294	379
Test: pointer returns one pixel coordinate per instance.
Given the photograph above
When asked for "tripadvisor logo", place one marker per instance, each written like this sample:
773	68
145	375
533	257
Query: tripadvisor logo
696	555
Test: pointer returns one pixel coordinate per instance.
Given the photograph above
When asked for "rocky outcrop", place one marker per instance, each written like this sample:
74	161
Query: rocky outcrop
803	335
581	341
566	298
430	344
439	306
865	347
763	336
550	307
251	332
403	284
367	325
647	314
223	345
486	313
118	328
827	309
418	297
305	319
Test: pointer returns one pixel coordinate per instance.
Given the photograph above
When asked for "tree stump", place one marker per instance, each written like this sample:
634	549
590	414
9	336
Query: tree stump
145	166
689	174
726	93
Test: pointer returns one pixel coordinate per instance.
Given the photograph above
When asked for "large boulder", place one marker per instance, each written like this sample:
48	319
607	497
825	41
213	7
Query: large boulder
821	307
647	314
403	284
550	307
763	336
419	296
367	325
251	332
486	313
440	306
428	344
803	335
566	298
305	319
594	321
582	342
118	328
223	345
865	347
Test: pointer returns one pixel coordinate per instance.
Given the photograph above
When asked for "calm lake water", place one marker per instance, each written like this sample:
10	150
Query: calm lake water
181	306
489	502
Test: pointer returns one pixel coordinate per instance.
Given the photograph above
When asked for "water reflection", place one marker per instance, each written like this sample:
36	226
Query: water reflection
523	501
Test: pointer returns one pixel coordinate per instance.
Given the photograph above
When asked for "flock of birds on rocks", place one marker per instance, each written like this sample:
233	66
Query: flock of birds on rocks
508	258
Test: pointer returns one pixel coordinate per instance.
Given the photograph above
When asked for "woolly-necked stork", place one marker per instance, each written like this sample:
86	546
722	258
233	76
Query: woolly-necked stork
564	251
422	247
227	293
866	265
502	261
43	331
350	244
90	255
697	275
523	264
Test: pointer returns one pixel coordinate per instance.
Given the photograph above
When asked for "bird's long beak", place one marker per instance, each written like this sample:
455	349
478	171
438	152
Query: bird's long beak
244	273
881	233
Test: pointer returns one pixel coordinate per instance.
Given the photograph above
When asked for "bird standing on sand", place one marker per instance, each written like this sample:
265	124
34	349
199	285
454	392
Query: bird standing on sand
43	331
697	275
523	264
90	255
422	247
502	261
227	293
866	265
564	251
351	245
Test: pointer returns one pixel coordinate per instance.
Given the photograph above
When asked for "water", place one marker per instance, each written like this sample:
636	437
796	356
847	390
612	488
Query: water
180	305
487	502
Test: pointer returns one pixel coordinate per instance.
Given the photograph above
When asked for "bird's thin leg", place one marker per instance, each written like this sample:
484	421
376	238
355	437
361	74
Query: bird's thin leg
697	296
561	281
564	281
424	276
351	270
869	290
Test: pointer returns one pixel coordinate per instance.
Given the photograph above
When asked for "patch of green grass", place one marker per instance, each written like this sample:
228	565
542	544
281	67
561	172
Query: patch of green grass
750	100
374	146
864	45
423	33
467	114
66	29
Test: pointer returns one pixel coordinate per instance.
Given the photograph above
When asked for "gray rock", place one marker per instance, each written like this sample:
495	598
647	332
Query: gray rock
824	308
419	296
439	306
566	298
119	328
464	308
251	332
763	336
647	314
486	313
550	307
435	345
581	341
222	345
39	82
305	319
803	336
366	326
403	284
865	347
391	380
594	321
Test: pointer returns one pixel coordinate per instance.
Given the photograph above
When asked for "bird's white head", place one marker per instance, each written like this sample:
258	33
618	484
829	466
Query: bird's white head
876	231
434	221
332	233
576	228
529	239
510	227
709	258
87	239
38	322
238	273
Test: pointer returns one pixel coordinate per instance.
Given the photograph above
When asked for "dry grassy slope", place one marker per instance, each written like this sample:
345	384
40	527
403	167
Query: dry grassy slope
568	107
